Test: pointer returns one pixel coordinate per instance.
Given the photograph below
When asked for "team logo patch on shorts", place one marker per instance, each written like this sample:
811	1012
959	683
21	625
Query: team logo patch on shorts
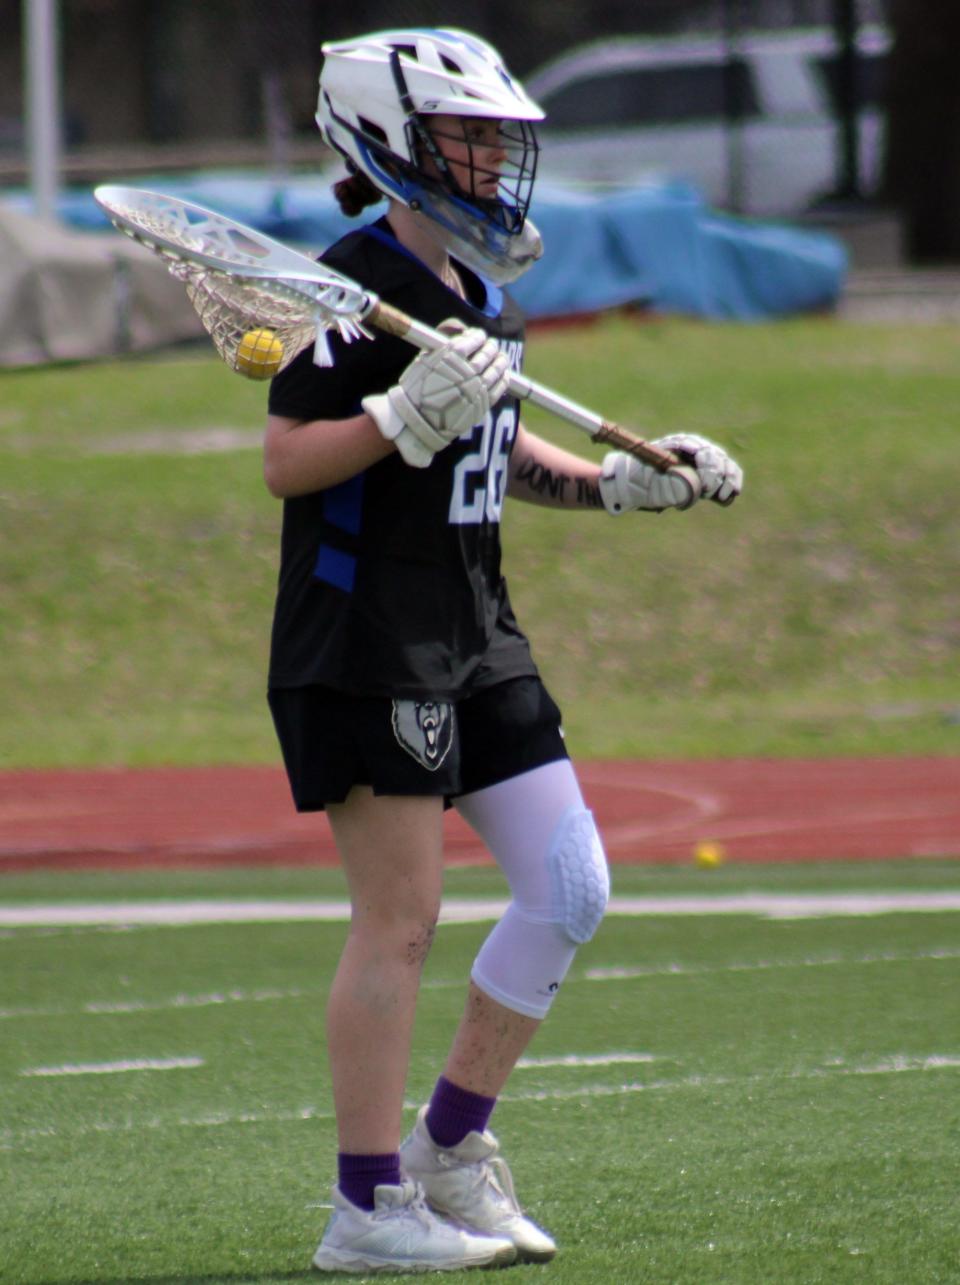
424	729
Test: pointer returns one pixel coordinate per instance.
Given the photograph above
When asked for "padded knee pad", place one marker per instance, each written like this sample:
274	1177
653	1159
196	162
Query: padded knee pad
580	881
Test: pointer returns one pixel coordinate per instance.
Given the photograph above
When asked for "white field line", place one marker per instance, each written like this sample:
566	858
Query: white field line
611	973
171	913
116	1068
898	1064
121	1007
210	999
617	973
895	1064
585	1059
476	910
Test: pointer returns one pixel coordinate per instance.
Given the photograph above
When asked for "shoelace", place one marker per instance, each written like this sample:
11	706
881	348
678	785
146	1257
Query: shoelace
415	1208
502	1179
493	1172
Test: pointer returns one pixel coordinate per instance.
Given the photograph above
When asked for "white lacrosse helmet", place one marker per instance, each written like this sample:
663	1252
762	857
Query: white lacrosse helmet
376	95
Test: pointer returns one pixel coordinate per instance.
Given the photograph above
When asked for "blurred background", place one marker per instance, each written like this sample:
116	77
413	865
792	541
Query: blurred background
791	162
826	109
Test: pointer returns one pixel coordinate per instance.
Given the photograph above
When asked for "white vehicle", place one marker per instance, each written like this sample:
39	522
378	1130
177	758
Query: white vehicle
754	126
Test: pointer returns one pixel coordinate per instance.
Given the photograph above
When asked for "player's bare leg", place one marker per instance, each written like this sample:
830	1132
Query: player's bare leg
489	1041
391	850
392	854
470	1181
537	827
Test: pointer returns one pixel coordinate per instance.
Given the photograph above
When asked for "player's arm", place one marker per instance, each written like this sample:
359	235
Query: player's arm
542	473
302	456
436	399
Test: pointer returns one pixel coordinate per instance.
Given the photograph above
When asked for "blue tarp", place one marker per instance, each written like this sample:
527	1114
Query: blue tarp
657	245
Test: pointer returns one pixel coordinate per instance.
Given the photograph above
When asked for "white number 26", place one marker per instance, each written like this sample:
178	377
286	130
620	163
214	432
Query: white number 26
480	478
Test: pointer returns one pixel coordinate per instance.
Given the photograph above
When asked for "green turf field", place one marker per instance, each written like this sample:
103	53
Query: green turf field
752	1101
817	616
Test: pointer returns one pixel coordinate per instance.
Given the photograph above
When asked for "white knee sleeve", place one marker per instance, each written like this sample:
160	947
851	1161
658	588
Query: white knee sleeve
546	843
523	963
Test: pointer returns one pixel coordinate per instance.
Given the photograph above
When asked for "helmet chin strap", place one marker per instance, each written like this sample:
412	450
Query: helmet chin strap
519	254
524	249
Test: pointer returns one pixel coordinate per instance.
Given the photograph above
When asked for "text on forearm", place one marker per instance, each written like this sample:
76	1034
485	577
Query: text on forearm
559	487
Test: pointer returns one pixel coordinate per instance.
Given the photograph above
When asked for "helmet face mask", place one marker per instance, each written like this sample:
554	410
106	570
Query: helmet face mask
433	119
488	163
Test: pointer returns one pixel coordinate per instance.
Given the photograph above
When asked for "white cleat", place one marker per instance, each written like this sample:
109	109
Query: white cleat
472	1185
402	1235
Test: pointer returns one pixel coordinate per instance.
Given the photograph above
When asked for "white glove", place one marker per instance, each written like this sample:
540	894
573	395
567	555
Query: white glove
626	483
721	478
441	394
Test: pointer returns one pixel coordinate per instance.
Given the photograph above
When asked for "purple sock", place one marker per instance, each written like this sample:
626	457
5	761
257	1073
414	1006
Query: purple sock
454	1112
358	1175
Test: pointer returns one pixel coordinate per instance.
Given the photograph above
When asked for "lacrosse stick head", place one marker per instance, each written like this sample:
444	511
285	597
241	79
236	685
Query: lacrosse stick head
406	108
240	281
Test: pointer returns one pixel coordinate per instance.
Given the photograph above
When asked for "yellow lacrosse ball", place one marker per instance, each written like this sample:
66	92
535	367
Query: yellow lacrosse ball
709	855
259	354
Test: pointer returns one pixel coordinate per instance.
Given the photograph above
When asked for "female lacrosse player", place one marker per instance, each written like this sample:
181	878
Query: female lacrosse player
399	678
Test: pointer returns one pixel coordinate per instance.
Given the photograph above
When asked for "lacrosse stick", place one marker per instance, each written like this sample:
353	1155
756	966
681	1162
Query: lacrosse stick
253	292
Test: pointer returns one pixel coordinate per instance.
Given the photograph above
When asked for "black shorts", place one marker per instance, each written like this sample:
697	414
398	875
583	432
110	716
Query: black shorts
332	741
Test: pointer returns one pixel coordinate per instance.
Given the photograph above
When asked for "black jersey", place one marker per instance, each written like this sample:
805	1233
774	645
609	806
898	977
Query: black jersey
390	583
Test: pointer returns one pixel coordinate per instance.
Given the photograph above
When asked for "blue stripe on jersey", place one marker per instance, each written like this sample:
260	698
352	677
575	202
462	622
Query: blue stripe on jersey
335	568
342	507
343	504
493	302
378	234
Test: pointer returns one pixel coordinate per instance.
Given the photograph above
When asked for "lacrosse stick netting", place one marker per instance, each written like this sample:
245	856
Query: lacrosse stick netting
234	276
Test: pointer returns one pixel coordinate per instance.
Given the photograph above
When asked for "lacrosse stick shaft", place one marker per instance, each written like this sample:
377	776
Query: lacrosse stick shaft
394	322
184	232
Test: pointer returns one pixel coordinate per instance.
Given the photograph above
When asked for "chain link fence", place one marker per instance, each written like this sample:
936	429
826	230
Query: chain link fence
167	84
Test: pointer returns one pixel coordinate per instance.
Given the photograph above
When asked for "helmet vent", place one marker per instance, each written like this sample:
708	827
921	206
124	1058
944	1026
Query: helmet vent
410	51
372	130
451	65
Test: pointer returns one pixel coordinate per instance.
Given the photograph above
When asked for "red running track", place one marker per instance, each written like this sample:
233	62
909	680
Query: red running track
758	809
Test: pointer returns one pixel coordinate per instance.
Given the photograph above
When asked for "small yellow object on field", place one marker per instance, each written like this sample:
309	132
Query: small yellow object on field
259	354
709	855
